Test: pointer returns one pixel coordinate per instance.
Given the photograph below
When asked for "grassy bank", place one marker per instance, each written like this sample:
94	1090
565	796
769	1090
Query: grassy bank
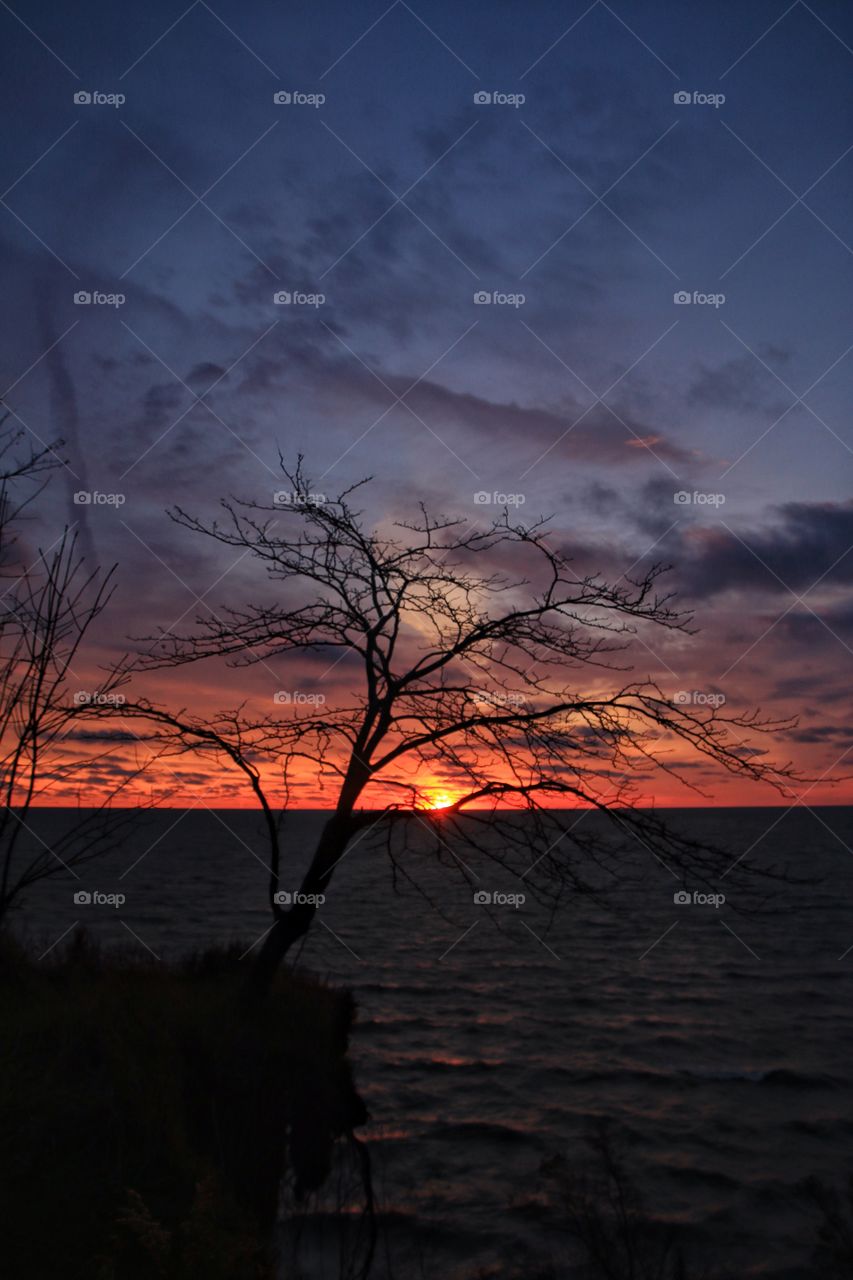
148	1113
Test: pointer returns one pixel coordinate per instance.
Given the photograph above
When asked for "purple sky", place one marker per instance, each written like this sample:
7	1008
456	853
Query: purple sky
597	199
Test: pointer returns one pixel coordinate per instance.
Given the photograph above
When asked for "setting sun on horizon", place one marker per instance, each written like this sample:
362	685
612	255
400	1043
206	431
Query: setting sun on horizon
439	800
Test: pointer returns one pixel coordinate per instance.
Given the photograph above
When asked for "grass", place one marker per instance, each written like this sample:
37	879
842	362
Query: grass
150	1112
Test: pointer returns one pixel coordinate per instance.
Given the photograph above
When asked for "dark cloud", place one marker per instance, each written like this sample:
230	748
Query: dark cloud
808	542
834	735
203	374
107	735
742	385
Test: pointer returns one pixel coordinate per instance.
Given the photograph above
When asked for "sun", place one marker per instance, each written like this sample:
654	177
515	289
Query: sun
439	800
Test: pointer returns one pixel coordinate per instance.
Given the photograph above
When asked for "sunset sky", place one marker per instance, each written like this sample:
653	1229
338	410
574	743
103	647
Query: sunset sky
382	198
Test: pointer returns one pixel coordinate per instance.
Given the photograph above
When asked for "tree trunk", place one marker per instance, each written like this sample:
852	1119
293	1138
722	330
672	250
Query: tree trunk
293	924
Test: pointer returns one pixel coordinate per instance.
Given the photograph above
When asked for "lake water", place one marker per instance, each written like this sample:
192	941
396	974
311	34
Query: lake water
717	1041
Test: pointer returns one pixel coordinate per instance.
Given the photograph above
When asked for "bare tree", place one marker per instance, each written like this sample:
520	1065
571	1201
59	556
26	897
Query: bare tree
48	604
479	653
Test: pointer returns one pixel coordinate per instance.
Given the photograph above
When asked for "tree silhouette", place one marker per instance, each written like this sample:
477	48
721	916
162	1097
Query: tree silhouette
49	600
475	652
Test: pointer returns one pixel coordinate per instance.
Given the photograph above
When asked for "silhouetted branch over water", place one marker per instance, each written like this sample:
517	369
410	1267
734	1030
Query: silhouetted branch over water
477	652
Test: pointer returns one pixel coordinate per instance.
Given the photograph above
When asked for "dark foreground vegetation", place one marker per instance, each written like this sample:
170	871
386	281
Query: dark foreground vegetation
149	1114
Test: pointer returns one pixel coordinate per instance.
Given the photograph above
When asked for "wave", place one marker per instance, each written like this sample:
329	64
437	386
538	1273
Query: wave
786	1077
802	1080
486	1131
398	1062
